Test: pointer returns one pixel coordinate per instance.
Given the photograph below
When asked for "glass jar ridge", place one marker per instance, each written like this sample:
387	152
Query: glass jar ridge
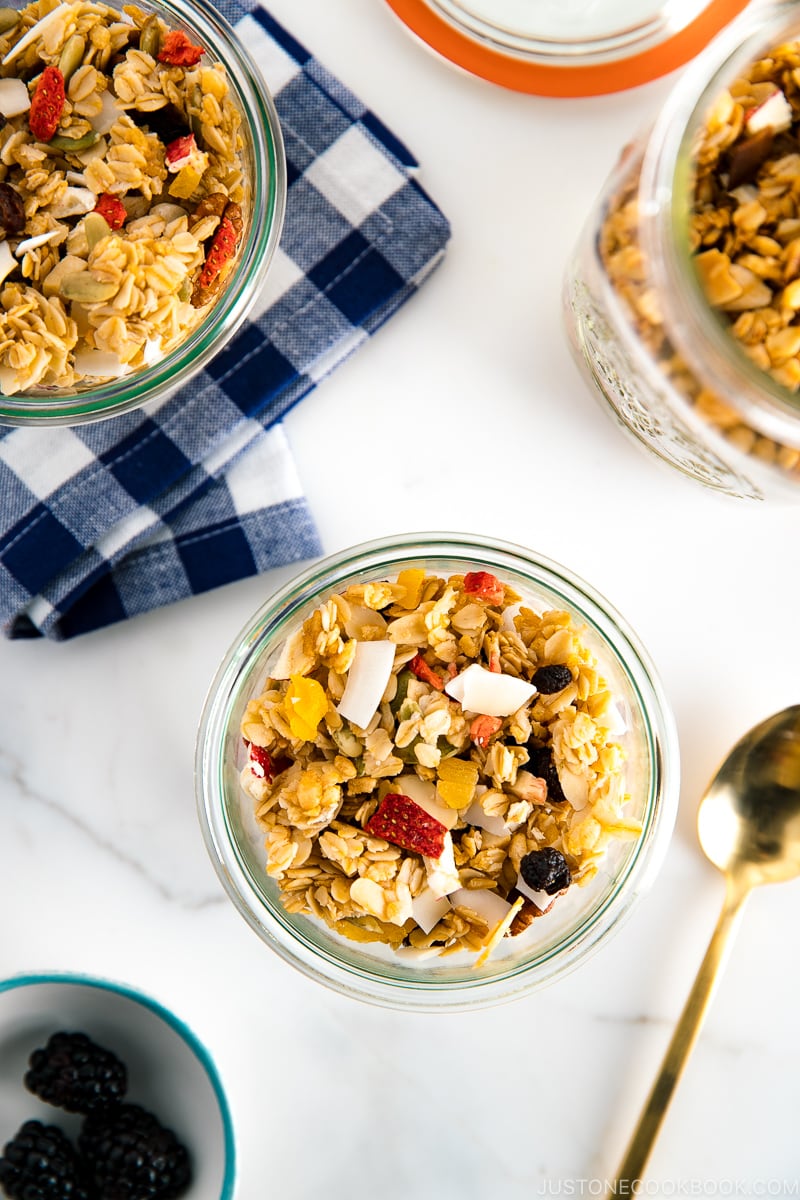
639	319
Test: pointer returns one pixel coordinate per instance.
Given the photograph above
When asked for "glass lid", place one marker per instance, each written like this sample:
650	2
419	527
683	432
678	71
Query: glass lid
567	47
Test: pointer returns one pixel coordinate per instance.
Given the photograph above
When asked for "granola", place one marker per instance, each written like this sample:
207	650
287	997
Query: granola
414	785
744	237
122	191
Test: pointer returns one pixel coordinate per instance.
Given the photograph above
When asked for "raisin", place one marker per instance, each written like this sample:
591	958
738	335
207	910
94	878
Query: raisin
545	870
540	763
12	210
551	679
166	123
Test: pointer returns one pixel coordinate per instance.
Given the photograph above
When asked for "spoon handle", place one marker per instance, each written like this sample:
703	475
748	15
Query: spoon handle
683	1039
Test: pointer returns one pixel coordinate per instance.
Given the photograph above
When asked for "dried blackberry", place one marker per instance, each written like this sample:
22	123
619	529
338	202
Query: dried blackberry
40	1163
540	763
548	680
76	1074
132	1156
545	870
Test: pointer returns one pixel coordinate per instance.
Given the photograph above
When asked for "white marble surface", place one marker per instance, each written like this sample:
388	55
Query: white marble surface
103	867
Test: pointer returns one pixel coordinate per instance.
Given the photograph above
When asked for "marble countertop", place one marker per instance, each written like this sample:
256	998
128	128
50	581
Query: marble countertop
104	870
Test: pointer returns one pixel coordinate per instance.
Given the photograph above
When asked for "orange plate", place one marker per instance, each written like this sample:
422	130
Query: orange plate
522	75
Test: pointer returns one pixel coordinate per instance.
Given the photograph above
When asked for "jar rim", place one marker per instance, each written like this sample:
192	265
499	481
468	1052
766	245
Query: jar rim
665	185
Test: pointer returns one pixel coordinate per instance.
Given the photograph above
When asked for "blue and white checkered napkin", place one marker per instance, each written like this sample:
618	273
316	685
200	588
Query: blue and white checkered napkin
104	521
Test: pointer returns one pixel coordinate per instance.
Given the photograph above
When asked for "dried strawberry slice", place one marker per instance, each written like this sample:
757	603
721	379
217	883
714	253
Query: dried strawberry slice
484	586
178	152
264	764
484	728
426	673
399	820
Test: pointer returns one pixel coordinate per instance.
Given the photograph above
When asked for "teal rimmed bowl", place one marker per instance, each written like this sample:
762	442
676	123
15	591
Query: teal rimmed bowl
170	1072
554	944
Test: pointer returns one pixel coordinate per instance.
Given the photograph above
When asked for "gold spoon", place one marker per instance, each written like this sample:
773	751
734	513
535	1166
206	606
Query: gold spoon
749	827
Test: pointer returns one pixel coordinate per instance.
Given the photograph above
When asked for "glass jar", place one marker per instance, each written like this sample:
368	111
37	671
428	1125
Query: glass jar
691	382
264	168
583	919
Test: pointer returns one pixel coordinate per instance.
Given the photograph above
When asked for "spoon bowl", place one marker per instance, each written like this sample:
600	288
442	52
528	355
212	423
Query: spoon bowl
749	827
749	818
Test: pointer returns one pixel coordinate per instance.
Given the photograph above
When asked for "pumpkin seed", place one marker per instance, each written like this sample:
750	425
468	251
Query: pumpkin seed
72	55
73	145
84	288
184	291
8	19
150	37
96	228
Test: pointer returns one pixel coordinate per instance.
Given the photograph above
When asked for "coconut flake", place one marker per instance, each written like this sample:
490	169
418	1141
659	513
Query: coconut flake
442	874
423	793
7	261
14	97
491	693
367	678
775	113
101	364
574	787
475	815
428	909
152	352
612	721
9	381
483	901
36	31
110	112
543	901
32	242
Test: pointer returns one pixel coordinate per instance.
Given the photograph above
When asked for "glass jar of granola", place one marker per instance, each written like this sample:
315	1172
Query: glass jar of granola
435	772
683	295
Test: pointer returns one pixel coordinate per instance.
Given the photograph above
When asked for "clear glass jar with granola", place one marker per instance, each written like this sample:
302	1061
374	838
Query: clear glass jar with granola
683	295
437	765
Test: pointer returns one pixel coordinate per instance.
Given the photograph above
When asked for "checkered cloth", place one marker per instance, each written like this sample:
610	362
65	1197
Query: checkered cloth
104	521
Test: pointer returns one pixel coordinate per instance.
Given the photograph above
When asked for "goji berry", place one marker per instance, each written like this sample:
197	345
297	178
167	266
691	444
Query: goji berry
482	728
484	586
177	51
222	248
400	820
112	210
47	104
423	671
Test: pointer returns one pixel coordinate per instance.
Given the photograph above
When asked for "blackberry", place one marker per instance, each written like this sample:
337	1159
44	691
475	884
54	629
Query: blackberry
76	1074
540	763
131	1156
40	1163
545	870
551	679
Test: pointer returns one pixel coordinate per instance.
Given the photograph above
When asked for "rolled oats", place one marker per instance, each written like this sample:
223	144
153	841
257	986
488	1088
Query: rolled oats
127	296
364	825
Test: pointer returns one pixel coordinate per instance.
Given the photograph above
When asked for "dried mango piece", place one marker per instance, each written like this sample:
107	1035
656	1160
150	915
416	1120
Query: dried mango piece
185	182
411	580
456	782
305	704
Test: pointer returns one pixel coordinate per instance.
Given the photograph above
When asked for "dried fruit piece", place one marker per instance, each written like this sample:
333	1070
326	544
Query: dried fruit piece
426	673
305	704
112	210
178	51
399	820
484	586
540	764
12	210
263	764
545	870
747	156
179	151
412	580
47	104
223	247
456	782
483	728
551	679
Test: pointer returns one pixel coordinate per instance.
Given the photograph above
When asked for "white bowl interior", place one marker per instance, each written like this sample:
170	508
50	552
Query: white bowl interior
166	1072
